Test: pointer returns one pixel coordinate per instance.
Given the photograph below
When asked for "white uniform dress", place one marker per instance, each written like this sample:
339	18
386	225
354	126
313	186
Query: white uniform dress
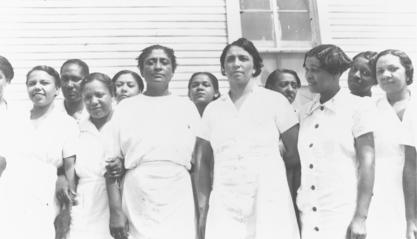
28	202
155	136
90	217
250	197
327	195
387	209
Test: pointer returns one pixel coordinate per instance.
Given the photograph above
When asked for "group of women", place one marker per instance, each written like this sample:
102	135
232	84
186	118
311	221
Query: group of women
245	164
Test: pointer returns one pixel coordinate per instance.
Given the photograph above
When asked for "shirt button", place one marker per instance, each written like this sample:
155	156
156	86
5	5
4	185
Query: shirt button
316	229
311	145
314	209
321	108
313	187
311	166
316	126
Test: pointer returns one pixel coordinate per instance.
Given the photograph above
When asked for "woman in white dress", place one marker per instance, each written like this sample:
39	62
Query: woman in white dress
250	197
154	134
6	75
90	212
42	139
389	213
336	152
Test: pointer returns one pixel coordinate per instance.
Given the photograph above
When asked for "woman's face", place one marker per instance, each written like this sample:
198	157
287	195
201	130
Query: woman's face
360	79
318	79
238	66
390	74
41	88
97	99
3	83
157	69
286	84
201	89
126	86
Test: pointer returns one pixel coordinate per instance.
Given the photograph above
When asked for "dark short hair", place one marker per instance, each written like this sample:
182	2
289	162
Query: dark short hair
48	69
135	76
370	56
331	57
404	59
250	48
84	67
103	78
148	50
213	79
6	68
269	83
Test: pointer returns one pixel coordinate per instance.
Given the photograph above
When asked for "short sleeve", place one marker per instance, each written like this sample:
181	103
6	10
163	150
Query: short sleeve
285	116
364	114
203	130
71	136
194	116
409	128
110	134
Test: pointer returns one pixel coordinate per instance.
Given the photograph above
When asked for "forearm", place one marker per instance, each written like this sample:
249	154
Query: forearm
201	175
69	172
114	195
366	175
409	183
3	164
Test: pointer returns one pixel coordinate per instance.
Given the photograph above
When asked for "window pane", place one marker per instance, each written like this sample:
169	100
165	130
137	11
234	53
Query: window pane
292	4
254	4
295	26
258	27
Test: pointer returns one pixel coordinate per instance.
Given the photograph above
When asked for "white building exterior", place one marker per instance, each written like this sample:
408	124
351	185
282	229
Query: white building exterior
109	35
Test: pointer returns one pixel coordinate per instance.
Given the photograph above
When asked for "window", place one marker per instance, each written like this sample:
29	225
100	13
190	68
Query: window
278	25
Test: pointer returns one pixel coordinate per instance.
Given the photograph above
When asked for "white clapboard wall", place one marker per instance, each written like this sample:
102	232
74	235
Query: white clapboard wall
359	25
109	35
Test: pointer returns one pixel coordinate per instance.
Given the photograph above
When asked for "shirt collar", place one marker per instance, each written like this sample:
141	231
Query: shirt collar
332	104
87	126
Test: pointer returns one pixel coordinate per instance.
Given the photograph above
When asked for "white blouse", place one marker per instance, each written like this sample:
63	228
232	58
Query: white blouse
148	129
328	160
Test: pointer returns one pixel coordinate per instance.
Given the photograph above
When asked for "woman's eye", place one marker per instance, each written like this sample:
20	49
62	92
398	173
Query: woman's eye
365	73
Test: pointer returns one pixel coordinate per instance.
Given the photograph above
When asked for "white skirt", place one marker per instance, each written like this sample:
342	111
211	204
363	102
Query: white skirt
251	200
158	201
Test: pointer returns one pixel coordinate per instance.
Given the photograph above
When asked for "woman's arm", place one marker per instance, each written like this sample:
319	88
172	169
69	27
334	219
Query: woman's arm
292	164
3	164
202	180
69	167
365	153
292	159
410	191
118	221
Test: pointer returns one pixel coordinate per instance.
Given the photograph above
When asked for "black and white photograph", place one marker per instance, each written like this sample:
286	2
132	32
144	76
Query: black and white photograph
208	119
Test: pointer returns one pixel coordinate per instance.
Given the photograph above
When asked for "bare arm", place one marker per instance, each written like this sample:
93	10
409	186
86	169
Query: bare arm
69	167
292	159
3	164
410	191
202	180
118	221
365	153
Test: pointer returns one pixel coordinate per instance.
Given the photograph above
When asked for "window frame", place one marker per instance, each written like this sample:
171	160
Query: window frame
234	28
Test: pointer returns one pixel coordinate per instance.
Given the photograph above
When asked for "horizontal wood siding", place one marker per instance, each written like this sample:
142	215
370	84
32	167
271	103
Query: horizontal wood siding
109	35
359	25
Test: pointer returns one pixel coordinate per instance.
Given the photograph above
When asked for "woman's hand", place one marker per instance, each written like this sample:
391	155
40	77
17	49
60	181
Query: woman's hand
62	190
118	225
114	168
357	229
